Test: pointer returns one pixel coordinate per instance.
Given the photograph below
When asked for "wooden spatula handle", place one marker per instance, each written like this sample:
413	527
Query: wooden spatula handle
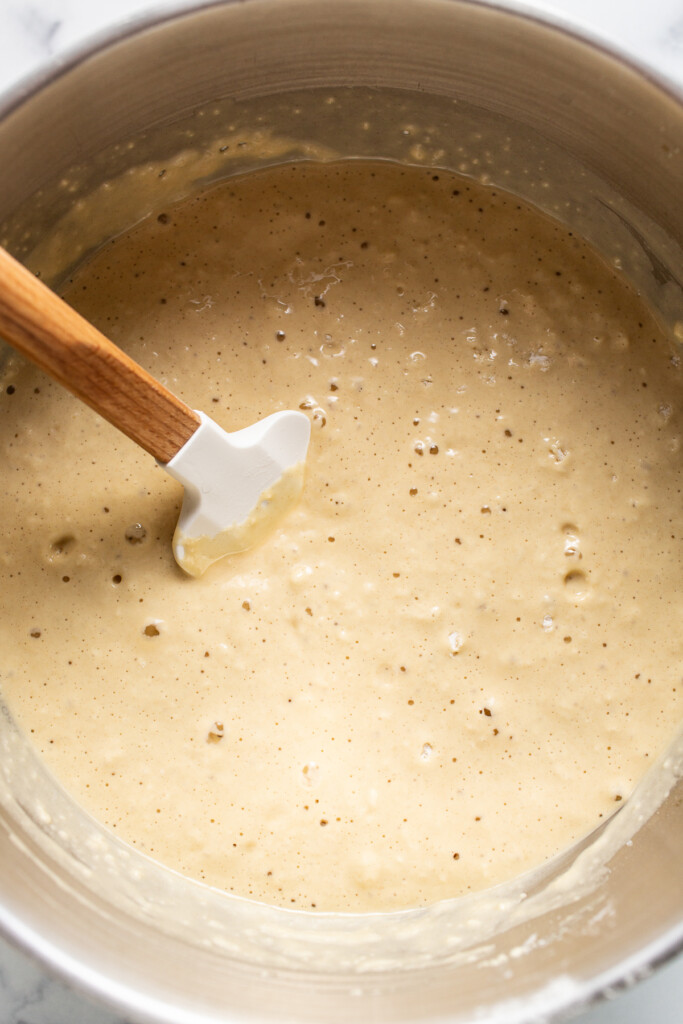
54	336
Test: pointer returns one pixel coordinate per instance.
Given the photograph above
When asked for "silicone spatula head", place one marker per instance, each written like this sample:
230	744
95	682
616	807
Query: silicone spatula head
237	485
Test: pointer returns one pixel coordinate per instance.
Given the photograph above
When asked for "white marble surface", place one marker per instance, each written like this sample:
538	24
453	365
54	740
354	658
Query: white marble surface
35	31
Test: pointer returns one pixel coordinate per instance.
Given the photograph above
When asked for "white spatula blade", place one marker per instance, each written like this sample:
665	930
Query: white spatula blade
237	485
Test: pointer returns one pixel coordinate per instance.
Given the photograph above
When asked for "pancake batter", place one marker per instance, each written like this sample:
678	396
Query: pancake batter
461	650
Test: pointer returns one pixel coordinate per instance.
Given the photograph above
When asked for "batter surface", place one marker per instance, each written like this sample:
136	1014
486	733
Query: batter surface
461	649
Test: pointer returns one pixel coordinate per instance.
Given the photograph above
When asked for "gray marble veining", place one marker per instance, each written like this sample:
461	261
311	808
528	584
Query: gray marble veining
28	995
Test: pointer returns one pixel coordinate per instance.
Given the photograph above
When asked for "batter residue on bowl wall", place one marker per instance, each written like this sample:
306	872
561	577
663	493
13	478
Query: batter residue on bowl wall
457	654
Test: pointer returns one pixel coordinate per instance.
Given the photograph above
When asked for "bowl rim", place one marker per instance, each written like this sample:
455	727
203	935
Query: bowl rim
54	66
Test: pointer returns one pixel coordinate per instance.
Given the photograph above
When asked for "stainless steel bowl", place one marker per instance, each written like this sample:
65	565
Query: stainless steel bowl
205	92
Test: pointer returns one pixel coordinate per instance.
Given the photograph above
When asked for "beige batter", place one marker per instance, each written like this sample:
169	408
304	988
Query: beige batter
461	649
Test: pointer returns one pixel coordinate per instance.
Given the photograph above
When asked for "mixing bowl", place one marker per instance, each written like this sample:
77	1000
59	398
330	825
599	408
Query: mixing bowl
145	117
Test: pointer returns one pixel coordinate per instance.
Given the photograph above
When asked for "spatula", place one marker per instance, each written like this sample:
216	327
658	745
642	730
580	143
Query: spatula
237	485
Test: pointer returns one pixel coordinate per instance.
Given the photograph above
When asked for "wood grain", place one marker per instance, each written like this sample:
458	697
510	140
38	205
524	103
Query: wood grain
54	336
